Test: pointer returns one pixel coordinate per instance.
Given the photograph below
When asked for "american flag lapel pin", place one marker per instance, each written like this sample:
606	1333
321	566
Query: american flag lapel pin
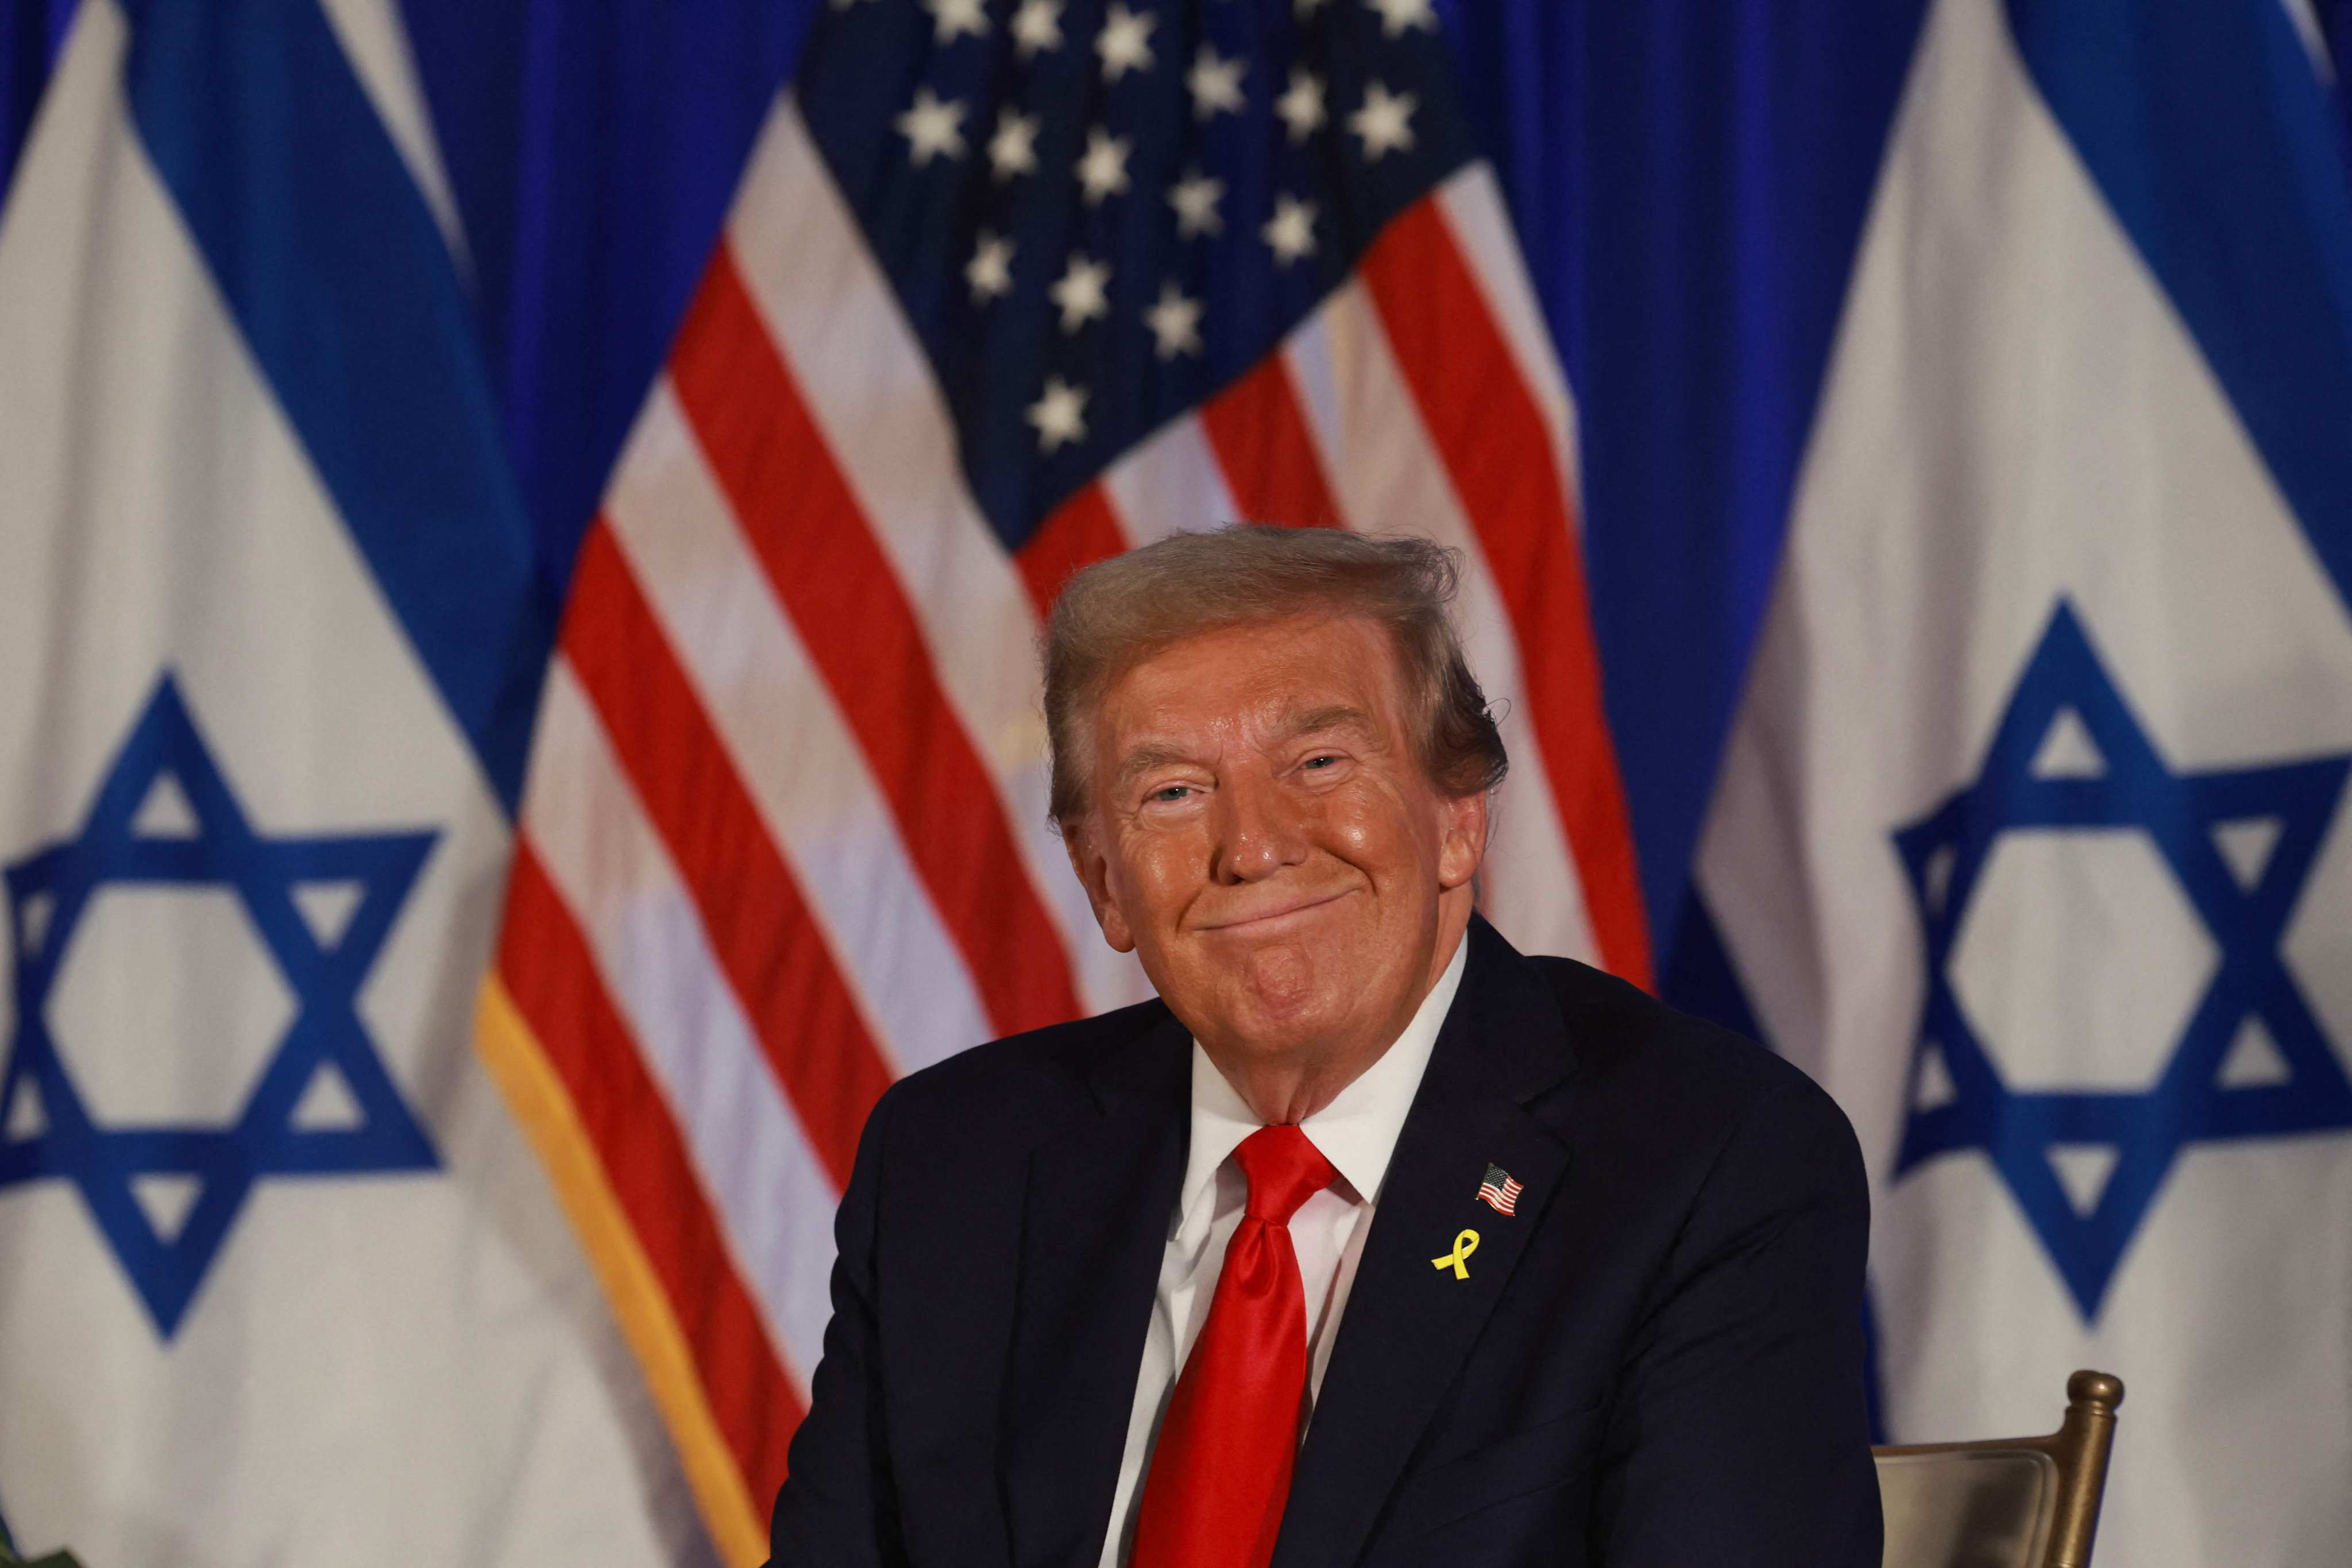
1498	1192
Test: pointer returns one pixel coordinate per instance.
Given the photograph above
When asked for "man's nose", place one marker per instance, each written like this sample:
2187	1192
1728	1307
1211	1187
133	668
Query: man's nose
1262	830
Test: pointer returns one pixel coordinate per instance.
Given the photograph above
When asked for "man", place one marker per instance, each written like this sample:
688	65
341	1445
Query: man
1371	1241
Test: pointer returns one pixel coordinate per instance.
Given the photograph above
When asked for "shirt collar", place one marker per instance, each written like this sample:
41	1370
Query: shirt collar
1357	1131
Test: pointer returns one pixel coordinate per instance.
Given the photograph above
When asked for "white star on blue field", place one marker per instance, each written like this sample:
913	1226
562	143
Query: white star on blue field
2246	915
48	892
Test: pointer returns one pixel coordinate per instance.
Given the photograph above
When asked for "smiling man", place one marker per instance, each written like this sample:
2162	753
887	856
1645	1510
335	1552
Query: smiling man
1371	1241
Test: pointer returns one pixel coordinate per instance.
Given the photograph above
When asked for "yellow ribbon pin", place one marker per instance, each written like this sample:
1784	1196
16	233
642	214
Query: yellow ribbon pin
1458	1259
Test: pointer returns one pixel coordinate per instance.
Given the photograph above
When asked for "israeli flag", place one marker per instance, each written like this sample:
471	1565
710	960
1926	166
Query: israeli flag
282	1282
2031	839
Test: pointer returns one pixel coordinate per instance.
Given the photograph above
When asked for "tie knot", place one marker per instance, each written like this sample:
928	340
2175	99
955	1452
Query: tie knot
1284	1169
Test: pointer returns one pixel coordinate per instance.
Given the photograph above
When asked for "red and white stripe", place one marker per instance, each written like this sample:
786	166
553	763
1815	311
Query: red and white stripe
785	835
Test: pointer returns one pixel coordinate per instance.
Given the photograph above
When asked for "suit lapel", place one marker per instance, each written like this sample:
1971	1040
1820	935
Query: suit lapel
1409	1323
1094	1230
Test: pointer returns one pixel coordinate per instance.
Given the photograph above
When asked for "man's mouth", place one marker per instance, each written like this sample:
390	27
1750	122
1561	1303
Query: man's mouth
1255	919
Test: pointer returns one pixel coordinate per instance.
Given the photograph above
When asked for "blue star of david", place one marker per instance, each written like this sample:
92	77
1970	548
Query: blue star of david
1945	853
48	892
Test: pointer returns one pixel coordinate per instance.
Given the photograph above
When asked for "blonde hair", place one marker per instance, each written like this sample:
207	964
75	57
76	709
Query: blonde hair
1117	613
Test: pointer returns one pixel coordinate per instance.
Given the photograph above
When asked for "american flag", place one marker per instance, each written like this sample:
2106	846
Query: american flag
1498	1192
1006	288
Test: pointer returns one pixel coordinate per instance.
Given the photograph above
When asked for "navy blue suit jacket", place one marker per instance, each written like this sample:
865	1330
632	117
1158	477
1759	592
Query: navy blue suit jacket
1657	1361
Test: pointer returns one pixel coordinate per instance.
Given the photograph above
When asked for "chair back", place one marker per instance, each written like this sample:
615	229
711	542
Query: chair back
2015	1502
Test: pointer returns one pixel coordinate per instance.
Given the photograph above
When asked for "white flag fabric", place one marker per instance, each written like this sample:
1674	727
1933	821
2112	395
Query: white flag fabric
281	1284
2028	840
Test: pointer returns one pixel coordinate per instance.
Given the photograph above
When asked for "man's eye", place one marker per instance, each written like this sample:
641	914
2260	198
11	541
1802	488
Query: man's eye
1323	760
1171	792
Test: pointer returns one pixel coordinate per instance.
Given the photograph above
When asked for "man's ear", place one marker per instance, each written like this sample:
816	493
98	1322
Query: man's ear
1462	837
1086	858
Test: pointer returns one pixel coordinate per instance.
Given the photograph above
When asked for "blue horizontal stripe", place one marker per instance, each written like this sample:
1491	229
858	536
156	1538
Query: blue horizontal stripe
2214	140
592	151
341	286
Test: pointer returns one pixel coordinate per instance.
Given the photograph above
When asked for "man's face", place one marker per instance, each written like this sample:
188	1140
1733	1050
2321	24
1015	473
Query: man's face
1262	836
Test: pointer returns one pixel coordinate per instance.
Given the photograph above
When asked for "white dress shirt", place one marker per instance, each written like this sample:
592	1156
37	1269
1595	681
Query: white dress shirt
1357	1132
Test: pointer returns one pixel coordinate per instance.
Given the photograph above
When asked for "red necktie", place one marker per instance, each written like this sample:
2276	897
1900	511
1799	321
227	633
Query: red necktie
1220	1471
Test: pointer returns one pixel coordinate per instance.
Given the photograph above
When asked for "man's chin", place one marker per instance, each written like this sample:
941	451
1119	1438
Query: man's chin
1299	996
1280	1026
